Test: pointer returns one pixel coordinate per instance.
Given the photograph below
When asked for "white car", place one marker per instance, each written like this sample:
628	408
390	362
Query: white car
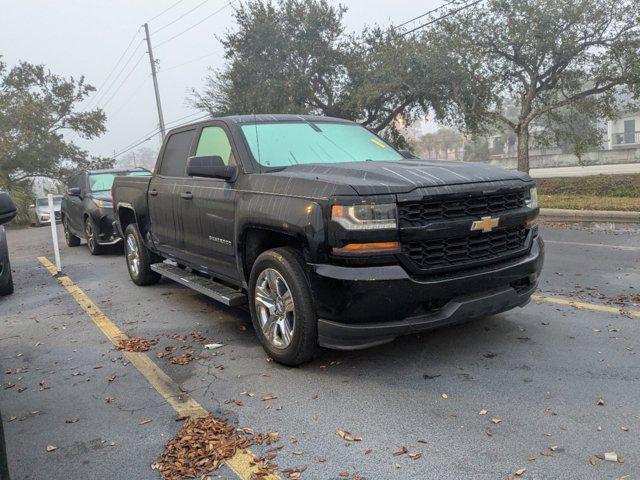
39	211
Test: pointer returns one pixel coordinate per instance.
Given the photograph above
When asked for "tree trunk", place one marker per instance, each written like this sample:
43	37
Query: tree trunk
523	148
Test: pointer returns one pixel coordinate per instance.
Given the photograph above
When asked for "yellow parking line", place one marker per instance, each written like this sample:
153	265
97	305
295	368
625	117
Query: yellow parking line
241	462
587	306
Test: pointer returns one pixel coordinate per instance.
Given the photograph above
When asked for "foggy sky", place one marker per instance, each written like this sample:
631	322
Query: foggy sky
86	37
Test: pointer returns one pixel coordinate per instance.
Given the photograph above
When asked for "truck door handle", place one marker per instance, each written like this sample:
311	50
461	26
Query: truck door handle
187	195
153	192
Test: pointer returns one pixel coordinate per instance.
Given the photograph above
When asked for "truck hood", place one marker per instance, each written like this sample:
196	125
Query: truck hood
372	178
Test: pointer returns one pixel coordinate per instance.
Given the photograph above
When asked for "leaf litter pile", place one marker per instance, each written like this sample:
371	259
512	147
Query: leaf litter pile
201	446
136	344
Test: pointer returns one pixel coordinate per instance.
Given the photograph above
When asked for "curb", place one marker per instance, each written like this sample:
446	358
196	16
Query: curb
564	215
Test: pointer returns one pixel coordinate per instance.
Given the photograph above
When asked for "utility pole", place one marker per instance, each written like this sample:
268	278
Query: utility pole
155	80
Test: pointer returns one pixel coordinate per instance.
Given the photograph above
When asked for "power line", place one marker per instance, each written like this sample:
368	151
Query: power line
180	17
448	14
106	91
99	89
427	13
123	81
189	61
133	92
195	24
165	10
148	136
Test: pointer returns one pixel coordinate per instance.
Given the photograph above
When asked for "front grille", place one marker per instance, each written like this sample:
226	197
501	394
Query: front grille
416	214
450	253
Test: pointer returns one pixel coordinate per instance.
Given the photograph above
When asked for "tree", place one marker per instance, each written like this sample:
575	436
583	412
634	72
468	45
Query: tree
547	54
438	144
294	57
37	108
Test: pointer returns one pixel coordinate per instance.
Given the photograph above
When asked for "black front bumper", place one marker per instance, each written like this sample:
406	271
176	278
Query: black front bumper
107	234
362	307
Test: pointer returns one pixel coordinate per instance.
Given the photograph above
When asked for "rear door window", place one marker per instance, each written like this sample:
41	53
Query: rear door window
214	141
174	160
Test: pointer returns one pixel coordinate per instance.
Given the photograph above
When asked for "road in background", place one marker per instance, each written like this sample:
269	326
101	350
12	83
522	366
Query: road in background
538	372
619	169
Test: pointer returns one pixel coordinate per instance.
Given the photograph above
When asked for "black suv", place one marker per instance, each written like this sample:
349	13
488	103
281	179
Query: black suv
330	235
87	209
7	212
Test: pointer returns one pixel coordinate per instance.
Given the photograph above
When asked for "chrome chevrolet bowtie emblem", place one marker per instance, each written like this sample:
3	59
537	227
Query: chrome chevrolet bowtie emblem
486	224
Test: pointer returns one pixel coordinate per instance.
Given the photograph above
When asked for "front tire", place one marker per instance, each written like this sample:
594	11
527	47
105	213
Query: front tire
91	234
6	281
70	238
139	258
282	309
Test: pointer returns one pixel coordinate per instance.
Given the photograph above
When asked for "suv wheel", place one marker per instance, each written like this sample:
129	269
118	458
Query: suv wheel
70	238
282	308
91	234
139	258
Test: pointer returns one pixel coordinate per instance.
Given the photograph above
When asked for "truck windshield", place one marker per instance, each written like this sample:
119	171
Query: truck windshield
283	144
102	182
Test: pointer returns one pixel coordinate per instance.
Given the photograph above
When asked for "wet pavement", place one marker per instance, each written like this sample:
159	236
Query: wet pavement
482	400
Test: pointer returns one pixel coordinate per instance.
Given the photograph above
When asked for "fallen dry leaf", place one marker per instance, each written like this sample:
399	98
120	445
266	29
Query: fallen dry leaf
415	455
593	461
348	436
482	412
203	445
520	471
600	401
51	448
496	420
72	420
546	453
268	396
183	360
136	344
144	422
445	396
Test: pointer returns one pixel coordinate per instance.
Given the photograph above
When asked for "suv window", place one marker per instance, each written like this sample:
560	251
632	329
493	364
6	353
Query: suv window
214	141
174	160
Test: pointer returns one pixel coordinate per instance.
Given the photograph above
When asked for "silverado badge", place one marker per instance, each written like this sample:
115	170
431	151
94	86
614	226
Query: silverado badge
486	224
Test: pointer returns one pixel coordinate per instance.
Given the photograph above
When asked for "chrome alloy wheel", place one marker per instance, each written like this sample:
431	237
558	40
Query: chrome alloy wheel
133	255
275	308
90	234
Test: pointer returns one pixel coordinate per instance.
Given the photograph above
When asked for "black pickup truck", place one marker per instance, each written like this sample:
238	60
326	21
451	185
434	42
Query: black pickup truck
330	235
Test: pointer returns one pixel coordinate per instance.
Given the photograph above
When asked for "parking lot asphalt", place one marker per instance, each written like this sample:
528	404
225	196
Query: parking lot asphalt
538	372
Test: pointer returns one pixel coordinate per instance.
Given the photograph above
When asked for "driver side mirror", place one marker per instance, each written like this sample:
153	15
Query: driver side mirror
74	192
7	208
210	167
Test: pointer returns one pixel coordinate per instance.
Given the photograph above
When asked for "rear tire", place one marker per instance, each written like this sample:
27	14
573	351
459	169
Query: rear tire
70	238
91	234
139	258
282	312
6	283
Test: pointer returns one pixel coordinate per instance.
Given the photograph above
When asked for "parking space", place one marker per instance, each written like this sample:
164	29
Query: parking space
520	390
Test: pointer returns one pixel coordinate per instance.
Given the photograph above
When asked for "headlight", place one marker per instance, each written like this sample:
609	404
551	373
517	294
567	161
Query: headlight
532	198
366	217
103	204
44	216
